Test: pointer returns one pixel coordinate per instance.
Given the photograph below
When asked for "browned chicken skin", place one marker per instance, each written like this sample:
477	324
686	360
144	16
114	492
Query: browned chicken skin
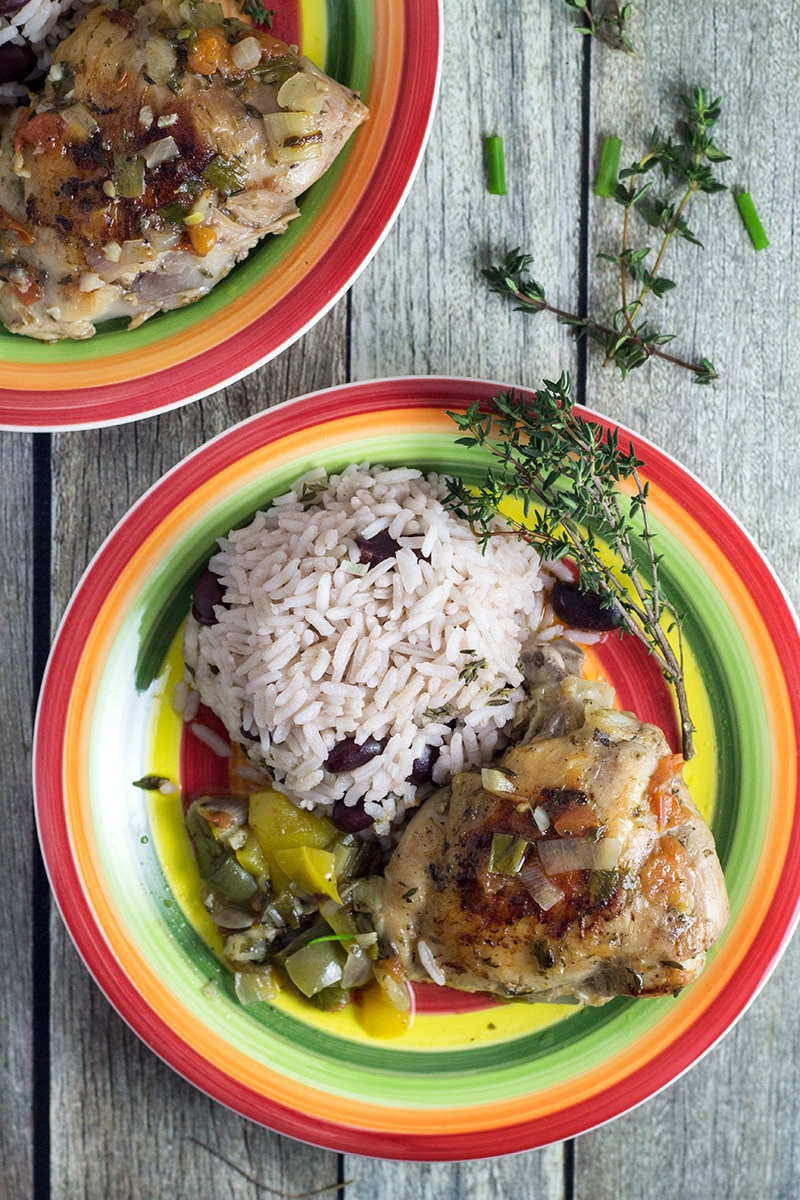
477	894
167	141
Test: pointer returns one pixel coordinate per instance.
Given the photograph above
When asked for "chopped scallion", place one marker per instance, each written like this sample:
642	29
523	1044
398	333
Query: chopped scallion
495	165
752	222
507	854
227	175
609	167
129	175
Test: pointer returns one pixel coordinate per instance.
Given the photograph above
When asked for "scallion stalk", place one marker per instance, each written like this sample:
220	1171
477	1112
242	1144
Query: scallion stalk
752	221
507	854
495	165
609	167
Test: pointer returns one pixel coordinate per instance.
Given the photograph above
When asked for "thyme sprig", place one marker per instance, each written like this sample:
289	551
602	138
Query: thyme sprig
686	161
607	21
566	473
260	14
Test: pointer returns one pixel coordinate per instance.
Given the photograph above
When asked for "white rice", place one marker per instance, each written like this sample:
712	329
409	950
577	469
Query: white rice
420	649
40	24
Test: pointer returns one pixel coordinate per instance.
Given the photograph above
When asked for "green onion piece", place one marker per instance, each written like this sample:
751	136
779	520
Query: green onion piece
227	175
752	222
129	175
609	167
507	854
333	937
495	165
174	212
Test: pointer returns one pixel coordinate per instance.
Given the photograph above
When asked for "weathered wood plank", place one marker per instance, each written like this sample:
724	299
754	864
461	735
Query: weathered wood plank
422	307
728	1128
16	1147
123	1124
537	1175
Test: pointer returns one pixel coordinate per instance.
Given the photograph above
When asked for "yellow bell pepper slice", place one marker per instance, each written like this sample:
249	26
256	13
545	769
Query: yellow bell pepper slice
281	825
312	869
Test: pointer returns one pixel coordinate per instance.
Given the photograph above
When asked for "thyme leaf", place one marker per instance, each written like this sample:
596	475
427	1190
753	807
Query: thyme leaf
607	21
258	12
566	473
627	338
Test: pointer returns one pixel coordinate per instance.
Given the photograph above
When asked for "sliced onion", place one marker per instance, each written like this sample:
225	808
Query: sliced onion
79	121
566	854
164	150
496	782
246	946
246	54
89	282
162	59
227	914
612	721
357	970
254	987
303	92
575	854
544	891
541	818
293	136
224	812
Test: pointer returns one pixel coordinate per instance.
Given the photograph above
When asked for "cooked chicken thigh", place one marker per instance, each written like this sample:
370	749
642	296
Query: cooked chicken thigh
166	142
593	875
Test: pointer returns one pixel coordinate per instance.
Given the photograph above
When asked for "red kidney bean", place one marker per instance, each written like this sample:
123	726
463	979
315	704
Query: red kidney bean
377	548
584	610
349	754
7	7
208	592
16	62
351	818
422	767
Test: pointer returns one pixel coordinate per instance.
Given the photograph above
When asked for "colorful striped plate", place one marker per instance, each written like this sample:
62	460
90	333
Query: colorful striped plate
390	53
470	1078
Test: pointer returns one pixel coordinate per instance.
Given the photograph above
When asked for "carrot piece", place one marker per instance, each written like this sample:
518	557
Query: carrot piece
31	292
271	46
209	53
44	131
203	238
578	820
9	222
662	796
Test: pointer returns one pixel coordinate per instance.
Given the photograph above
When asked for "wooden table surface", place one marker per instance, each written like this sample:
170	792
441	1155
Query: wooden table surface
86	1110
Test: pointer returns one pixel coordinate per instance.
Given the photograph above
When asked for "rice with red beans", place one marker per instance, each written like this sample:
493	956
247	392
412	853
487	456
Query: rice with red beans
313	647
28	36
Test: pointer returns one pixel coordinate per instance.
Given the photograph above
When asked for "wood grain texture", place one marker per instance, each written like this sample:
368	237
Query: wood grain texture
728	1128
422	307
538	1175
16	1147
124	1125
